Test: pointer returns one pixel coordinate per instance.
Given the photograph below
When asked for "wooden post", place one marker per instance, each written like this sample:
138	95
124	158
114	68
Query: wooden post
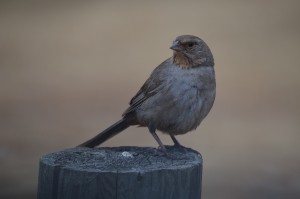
120	173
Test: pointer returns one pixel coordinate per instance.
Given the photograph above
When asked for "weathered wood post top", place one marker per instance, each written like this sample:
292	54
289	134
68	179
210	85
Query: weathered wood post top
120	173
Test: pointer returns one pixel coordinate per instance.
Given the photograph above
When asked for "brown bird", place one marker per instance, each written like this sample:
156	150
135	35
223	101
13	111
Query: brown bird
176	97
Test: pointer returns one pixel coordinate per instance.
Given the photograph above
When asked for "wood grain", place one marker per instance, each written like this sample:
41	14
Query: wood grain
120	173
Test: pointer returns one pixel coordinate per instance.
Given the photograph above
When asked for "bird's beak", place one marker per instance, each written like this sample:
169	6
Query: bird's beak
175	46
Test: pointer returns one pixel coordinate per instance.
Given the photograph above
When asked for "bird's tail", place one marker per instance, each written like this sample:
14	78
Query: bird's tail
106	134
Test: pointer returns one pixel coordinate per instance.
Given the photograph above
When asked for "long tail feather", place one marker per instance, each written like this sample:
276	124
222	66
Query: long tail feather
106	134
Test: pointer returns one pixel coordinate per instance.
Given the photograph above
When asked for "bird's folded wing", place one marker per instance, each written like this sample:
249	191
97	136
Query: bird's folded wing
150	88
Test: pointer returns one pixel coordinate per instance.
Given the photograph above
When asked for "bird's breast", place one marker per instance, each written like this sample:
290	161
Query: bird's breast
182	102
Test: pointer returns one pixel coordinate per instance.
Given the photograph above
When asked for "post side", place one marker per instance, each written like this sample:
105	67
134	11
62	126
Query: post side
120	172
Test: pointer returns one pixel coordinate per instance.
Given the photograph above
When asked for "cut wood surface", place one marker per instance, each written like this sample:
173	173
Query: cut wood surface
121	173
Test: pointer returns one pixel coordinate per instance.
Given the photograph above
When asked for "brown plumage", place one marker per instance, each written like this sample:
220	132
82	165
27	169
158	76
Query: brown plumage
175	98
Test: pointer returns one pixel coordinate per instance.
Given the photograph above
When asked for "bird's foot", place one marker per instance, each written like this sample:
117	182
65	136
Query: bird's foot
161	150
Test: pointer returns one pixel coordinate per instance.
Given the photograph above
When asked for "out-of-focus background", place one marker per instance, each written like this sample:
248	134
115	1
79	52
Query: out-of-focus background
69	69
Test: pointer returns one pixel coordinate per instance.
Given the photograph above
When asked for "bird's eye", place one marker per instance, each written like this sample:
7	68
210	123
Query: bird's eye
191	44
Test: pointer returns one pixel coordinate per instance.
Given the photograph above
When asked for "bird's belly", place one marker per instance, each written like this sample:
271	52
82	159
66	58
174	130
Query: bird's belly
180	119
175	113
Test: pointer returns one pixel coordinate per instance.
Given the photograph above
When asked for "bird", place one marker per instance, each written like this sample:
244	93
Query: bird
177	96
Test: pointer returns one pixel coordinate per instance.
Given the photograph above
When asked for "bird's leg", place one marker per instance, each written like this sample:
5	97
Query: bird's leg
152	131
176	143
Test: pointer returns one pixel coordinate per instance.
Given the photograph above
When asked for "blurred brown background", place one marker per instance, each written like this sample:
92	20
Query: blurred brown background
68	70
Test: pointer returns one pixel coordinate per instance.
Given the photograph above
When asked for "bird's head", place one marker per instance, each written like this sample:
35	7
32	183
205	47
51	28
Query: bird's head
191	51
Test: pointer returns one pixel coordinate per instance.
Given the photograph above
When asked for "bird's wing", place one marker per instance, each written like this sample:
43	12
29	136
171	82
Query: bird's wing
150	88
